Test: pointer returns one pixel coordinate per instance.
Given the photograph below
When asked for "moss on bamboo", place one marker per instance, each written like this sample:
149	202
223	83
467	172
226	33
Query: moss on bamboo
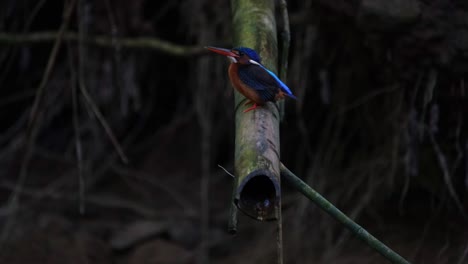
257	191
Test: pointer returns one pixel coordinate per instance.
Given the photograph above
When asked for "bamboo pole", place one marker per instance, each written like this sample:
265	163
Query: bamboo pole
328	207
257	184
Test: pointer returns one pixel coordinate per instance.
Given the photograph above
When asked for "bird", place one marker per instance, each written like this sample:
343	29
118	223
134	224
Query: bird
251	78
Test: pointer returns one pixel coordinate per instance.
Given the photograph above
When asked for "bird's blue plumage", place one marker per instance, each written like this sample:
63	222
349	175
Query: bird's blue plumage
263	81
260	83
283	86
251	78
249	52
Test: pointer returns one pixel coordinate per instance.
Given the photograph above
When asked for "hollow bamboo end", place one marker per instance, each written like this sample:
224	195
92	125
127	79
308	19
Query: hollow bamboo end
258	195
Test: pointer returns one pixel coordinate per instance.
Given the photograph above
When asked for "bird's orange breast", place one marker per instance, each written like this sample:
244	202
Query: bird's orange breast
245	90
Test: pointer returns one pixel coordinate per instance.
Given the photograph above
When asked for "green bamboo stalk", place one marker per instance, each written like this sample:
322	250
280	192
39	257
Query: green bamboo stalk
328	207
257	184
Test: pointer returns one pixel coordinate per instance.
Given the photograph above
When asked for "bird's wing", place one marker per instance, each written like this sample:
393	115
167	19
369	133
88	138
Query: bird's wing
259	80
264	81
283	86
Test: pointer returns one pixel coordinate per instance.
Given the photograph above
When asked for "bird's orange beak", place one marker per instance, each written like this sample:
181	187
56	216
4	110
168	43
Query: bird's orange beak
225	52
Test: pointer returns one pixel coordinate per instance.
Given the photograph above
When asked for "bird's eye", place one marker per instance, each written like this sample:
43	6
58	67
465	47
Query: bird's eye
241	53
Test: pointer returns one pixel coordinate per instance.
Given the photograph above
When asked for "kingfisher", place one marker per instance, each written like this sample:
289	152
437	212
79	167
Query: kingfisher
248	75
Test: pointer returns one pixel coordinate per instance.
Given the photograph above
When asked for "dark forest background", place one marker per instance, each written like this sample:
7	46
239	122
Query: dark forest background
380	128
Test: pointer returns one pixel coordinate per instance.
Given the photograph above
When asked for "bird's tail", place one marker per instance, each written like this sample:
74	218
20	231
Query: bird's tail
291	96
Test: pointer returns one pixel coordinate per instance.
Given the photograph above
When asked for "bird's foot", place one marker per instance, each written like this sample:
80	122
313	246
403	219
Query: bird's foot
251	108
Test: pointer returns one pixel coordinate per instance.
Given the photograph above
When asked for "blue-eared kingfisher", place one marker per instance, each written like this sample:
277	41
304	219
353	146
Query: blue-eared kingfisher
248	75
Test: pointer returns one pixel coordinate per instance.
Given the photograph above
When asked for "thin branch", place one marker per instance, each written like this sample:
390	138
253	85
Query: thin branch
179	198
285	43
285	40
444	167
328	207
279	234
94	108
117	79
35	119
104	123
366	98
202	107
104	41
232	222
78	75
283	70
463	256
226	171
7	66
76	131
34	13
105	200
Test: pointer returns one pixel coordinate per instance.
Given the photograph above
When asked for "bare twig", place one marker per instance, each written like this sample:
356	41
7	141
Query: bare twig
117	79
10	132
178	197
283	70
7	66
427	97
82	16
366	98
104	200
35	119
285	43
466	165
458	146
463	256
82	38
34	13
202	108
279	233
285	40
232	222
110	160
446	172
76	130
104	41
103	122
78	146
226	171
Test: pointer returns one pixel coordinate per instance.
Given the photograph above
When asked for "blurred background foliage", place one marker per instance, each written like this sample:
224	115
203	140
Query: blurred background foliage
380	129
